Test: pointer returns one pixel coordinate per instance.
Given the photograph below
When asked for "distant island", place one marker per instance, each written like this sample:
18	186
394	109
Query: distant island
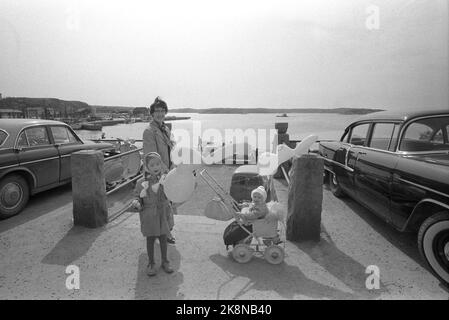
51	107
360	111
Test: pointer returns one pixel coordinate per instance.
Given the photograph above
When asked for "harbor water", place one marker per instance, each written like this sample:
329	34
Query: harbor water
300	125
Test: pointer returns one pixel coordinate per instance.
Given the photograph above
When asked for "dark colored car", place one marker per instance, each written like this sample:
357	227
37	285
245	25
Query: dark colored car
397	165
245	179
34	157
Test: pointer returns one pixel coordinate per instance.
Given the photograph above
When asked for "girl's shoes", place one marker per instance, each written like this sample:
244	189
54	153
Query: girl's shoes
166	267
171	240
151	270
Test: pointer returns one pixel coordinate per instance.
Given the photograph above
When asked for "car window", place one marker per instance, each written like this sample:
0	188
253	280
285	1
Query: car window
345	137
72	137
381	136
22	141
394	137
438	137
37	136
3	136
358	134
426	135
62	135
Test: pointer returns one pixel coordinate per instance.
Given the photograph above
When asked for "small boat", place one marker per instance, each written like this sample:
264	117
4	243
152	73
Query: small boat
282	115
76	126
91	126
172	118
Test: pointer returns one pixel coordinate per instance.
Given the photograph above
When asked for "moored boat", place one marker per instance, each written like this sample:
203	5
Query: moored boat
91	126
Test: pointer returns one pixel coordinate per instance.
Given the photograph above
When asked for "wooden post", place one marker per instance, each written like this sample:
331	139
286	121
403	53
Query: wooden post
283	137
305	197
89	189
223	154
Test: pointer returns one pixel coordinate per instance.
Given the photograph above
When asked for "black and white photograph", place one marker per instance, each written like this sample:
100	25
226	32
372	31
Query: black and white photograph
228	152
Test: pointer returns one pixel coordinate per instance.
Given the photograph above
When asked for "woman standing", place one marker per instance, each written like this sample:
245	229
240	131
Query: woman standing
157	138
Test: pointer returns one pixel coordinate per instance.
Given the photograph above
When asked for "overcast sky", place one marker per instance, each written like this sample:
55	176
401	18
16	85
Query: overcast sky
229	53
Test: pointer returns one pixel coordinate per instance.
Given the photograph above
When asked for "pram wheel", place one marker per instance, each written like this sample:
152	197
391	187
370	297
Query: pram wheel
274	254
242	253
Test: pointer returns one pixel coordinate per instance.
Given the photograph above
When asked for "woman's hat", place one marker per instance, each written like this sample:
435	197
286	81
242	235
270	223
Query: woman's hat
158	103
260	190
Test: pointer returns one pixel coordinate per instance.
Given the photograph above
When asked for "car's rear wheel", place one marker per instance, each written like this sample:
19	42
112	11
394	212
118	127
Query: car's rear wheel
14	195
433	243
334	185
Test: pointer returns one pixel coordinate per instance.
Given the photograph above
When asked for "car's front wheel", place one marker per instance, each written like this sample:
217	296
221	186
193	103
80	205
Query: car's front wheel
433	243
14	195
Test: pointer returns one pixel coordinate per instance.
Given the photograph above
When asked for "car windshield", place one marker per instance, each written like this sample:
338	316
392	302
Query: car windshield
3	136
430	134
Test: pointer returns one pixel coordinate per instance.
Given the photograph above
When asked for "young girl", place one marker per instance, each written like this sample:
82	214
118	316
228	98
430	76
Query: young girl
154	210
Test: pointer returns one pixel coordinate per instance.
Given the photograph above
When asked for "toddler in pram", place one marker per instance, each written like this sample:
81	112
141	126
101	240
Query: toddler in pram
255	229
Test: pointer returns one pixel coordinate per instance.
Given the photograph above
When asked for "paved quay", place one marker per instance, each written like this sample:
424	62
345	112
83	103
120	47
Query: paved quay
37	246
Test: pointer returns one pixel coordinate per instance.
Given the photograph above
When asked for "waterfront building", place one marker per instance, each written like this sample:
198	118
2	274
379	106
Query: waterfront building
10	113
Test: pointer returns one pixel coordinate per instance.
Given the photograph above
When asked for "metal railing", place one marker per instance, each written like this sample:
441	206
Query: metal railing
116	140
122	154
121	184
124	205
130	179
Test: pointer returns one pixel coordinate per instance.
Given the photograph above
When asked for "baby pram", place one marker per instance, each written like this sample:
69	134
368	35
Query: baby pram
263	237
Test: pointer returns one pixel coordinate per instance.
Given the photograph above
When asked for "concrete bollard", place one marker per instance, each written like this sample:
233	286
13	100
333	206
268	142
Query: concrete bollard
305	197
89	189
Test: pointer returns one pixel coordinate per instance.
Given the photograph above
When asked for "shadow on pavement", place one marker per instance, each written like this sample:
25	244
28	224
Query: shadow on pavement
40	204
162	286
72	246
404	241
340	265
286	280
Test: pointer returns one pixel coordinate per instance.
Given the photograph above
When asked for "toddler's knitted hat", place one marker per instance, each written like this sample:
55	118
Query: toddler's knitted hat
260	190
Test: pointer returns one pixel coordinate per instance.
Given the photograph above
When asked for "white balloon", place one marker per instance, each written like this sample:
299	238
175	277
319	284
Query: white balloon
284	153
305	144
179	184
269	162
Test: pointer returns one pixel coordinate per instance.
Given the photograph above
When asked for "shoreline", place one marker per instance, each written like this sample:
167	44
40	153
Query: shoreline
341	111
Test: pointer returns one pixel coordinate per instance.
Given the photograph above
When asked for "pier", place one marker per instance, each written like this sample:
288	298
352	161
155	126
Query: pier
37	247
39	244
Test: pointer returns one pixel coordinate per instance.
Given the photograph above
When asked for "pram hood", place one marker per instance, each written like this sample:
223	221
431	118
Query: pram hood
218	210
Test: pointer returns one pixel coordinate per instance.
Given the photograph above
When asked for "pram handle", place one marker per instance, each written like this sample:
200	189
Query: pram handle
218	189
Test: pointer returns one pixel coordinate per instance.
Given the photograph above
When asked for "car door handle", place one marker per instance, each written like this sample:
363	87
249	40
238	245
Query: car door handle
361	153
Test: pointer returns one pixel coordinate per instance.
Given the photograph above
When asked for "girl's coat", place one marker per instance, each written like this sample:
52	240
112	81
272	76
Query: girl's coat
155	215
